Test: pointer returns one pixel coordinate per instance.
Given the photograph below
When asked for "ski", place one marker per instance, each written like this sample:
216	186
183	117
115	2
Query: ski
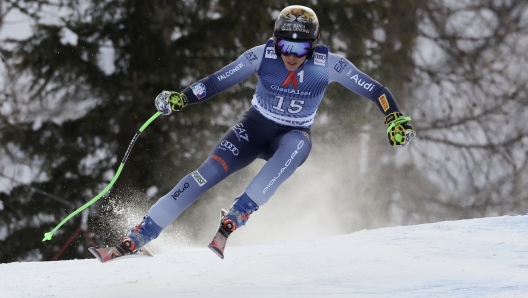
219	241
108	254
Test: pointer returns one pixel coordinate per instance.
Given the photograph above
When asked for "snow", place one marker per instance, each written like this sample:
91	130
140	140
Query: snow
68	37
16	25
468	258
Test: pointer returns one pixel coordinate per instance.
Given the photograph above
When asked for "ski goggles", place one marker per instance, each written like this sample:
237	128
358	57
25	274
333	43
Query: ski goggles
297	48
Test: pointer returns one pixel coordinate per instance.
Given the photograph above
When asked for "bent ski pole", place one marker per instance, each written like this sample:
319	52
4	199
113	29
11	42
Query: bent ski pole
48	235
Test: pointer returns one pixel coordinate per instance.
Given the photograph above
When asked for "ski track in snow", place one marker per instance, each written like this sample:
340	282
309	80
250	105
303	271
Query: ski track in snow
468	258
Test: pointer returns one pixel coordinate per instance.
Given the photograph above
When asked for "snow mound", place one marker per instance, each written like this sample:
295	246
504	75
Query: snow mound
468	258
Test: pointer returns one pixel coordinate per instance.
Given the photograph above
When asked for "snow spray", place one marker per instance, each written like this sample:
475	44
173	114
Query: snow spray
48	235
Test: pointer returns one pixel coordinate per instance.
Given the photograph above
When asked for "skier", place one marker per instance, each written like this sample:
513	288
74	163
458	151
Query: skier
293	73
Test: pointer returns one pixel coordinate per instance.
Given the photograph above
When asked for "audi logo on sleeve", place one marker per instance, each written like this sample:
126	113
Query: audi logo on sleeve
229	146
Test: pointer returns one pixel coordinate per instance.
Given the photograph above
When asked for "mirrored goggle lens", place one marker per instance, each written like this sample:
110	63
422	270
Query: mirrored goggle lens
298	48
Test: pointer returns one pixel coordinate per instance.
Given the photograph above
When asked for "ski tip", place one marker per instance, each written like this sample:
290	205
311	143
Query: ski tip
216	251
96	253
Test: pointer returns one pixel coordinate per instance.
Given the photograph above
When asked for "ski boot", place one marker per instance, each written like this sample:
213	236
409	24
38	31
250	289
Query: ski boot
140	235
237	216
133	243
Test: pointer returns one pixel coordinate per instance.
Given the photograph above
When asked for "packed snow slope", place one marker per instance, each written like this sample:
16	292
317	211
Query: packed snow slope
469	258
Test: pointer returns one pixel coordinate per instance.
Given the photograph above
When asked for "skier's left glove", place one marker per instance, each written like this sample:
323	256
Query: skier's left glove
399	130
168	101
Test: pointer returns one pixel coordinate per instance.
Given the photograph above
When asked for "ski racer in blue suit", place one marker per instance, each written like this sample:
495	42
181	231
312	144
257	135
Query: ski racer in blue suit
293	74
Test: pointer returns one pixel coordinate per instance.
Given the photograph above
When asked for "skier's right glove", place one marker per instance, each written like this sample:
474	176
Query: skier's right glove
399	130
168	101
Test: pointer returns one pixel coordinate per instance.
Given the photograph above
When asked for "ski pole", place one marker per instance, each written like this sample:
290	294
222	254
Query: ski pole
48	235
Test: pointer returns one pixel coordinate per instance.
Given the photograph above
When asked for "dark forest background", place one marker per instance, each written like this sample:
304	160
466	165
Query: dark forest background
69	108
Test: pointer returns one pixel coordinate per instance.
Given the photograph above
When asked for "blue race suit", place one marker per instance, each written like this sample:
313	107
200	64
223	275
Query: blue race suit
277	126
